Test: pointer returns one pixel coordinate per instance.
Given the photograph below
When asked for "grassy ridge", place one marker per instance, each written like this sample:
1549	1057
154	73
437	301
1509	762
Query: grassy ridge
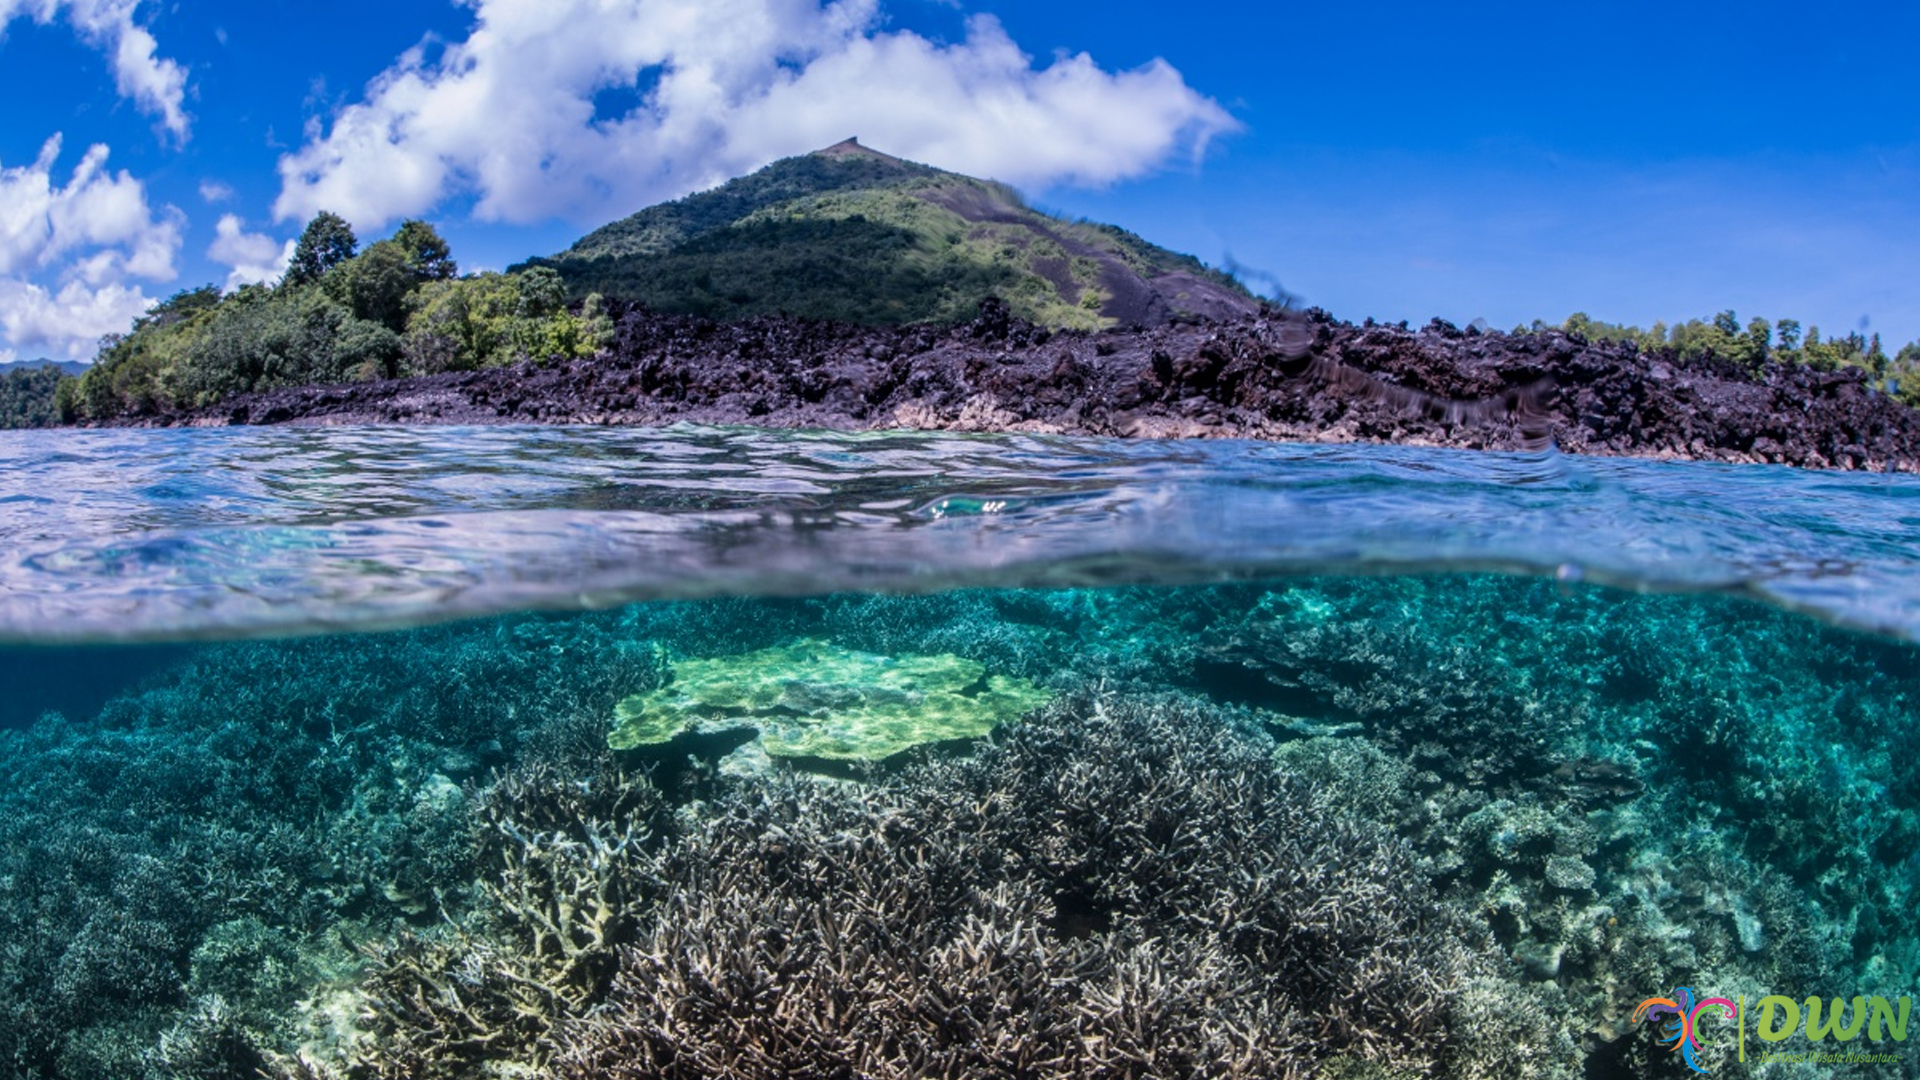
857	236
659	229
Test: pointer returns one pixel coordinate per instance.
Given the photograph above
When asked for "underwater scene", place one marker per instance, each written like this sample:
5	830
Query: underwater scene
699	752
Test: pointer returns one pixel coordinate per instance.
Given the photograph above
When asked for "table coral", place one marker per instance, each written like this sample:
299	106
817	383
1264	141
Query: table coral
815	699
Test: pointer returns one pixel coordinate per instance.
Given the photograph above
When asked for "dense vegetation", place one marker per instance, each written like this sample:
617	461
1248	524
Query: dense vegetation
27	396
845	234
340	314
848	235
857	236
854	270
1759	342
659	229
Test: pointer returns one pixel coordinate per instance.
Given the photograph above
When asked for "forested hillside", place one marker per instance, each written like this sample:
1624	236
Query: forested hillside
1758	342
844	234
854	235
340	314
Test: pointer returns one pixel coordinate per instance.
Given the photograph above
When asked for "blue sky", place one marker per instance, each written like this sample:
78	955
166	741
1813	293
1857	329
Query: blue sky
1399	161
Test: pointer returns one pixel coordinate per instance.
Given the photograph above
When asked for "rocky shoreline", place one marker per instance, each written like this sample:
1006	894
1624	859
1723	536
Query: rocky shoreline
1291	377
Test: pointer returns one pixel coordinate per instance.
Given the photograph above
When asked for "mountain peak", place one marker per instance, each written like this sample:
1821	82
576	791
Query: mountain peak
853	234
70	367
851	148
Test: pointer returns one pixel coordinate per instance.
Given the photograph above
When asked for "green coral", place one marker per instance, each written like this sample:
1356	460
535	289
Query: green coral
815	699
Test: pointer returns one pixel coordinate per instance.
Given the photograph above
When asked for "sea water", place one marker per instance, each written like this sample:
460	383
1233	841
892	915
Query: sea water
959	755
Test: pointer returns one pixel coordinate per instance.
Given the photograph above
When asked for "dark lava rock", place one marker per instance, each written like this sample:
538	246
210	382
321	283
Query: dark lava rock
1271	375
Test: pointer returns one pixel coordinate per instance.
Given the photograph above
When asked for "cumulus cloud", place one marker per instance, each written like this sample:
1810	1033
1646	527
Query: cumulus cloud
41	222
253	258
92	235
67	324
508	116
156	84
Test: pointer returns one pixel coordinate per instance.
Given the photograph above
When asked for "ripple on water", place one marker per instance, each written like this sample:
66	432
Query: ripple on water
151	535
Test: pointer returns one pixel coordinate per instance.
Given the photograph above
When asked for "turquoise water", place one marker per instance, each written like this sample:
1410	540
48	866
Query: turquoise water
1347	761
154	535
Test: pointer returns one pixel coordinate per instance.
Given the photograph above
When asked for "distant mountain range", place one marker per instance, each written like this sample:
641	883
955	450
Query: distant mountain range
71	367
853	234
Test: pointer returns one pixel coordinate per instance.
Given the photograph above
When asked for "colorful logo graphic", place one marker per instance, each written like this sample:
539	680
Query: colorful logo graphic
1679	1017
1839	1019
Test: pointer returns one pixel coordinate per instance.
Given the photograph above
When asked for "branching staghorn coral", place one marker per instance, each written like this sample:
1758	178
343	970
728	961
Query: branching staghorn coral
1116	888
575	860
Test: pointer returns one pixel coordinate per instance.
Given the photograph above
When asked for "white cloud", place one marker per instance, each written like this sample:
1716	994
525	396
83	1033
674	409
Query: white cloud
253	257
41	223
91	234
507	115
69	323
213	191
156	84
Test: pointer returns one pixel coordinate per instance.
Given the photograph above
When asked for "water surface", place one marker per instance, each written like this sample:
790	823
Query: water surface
1459	757
150	535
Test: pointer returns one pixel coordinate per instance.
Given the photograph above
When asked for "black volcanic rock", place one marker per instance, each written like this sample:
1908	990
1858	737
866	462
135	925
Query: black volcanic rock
1278	376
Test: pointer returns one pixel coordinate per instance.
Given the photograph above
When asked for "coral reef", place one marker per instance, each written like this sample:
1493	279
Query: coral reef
1729	810
570	864
1349	654
1447	826
1119	887
815	699
228	834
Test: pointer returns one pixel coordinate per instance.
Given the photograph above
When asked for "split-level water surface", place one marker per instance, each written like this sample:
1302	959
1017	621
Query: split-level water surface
306	755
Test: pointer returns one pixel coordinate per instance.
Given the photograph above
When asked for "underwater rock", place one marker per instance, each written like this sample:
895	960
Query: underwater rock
813	699
1571	874
1597	781
1460	712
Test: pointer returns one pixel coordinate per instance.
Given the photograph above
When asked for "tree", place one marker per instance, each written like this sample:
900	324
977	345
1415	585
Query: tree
1876	357
1789	333
1759	340
1908	358
327	242
29	397
377	283
1905	384
461	324
597	327
541	293
426	252
181	306
283	337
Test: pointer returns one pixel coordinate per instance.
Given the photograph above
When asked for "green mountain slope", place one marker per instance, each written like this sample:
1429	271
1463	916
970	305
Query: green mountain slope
65	367
853	234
